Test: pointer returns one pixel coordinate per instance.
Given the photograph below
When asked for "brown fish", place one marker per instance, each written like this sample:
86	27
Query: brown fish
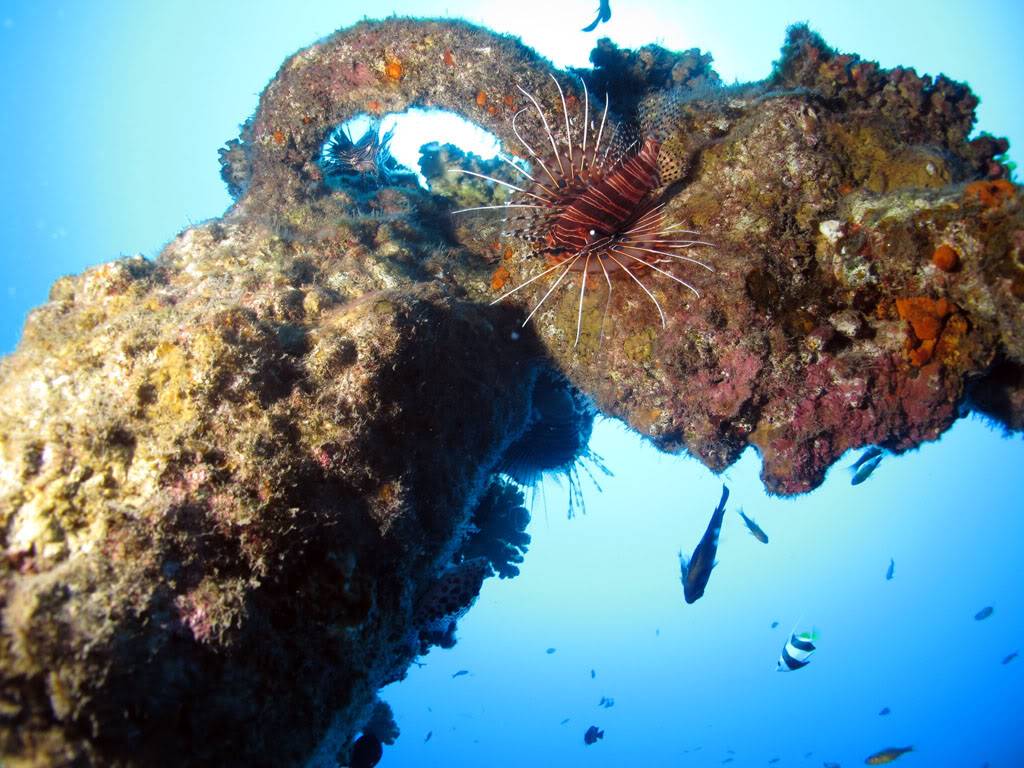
887	755
754	528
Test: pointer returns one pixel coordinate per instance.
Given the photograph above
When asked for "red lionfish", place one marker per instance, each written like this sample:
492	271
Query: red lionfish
593	209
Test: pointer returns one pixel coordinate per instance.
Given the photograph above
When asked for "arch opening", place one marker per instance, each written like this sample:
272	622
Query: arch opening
375	151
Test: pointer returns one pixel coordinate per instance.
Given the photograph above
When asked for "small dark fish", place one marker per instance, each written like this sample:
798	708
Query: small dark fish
887	755
429	734
864	471
754	528
984	613
870	454
696	571
592	735
593	674
1010	658
775	624
606	702
461	672
604	12
884	711
890	570
727	760
774	760
549	651
564	721
831	765
366	752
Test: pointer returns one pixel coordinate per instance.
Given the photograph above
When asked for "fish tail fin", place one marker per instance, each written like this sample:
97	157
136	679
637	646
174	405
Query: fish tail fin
725	497
684	567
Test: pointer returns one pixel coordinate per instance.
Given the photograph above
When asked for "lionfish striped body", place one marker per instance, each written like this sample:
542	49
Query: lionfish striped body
592	207
606	205
367	159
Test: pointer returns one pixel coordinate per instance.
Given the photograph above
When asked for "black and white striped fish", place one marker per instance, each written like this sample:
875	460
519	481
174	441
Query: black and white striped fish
797	651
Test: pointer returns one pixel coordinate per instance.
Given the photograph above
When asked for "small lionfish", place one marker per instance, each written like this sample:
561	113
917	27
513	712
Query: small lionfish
797	651
369	158
592	206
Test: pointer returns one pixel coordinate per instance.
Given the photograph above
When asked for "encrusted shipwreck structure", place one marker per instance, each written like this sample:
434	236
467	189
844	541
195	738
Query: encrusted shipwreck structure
242	486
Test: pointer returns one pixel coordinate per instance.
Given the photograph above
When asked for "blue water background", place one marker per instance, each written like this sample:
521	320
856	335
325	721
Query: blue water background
112	114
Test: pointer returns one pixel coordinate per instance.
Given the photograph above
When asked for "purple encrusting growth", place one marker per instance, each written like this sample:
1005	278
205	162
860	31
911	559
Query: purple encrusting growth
447	600
253	463
499	530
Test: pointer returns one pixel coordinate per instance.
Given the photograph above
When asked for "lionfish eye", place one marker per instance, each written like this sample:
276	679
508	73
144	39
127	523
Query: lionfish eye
593	232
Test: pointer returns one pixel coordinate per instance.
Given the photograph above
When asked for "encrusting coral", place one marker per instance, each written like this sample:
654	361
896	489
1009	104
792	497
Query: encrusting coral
238	483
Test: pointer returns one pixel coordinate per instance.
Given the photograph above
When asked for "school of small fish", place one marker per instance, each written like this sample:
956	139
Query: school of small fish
695	573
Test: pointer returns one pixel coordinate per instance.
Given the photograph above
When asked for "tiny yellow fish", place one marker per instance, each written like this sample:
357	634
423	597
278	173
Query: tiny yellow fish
887	755
754	528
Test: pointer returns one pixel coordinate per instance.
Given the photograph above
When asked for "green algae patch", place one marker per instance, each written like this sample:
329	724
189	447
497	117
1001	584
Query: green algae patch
640	346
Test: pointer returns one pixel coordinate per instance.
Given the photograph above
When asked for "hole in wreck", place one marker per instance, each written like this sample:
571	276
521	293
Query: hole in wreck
386	150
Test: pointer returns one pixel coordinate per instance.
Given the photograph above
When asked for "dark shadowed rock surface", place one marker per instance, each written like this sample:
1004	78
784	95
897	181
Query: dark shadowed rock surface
243	485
